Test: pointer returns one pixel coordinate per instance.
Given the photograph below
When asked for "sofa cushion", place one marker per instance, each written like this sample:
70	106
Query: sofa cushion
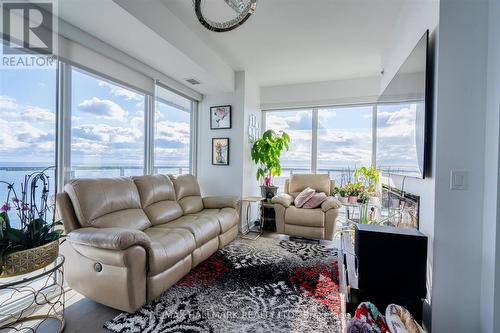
303	197
305	217
315	200
319	182
188	193
107	202
227	217
203	228
157	196
168	246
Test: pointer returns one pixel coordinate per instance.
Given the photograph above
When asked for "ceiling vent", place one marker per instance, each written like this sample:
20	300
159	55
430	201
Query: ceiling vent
193	81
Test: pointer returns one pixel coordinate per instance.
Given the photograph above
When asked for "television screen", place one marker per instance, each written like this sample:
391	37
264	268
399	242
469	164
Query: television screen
401	117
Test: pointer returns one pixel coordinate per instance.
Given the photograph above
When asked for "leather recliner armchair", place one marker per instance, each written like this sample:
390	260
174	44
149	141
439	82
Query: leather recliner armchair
318	223
130	239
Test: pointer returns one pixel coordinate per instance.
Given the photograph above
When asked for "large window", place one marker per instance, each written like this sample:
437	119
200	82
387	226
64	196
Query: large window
298	125
172	146
107	128
324	140
27	125
344	139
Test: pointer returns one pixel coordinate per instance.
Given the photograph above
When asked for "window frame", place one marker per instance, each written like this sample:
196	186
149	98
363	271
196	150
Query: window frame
193	125
315	123
63	122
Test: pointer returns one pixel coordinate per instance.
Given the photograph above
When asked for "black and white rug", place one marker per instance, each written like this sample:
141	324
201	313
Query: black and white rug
265	285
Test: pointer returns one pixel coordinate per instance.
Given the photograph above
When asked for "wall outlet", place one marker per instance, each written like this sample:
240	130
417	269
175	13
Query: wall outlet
458	180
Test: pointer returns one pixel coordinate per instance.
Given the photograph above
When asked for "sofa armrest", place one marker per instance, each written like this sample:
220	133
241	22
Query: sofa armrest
220	202
109	238
330	203
283	199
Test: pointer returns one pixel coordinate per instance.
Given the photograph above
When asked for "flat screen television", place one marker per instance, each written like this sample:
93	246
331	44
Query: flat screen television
402	114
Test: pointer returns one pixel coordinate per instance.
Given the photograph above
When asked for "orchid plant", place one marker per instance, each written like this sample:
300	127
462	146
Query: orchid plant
32	208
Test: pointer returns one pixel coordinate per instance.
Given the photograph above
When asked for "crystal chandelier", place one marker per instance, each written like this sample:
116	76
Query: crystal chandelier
243	10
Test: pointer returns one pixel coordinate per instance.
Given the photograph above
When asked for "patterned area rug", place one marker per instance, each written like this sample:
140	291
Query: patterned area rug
265	285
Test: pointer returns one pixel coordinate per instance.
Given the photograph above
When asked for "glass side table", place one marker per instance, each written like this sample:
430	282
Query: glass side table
34	301
249	201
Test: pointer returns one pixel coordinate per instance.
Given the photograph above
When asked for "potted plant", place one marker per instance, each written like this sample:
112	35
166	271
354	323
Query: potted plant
35	244
342	192
352	191
368	176
266	153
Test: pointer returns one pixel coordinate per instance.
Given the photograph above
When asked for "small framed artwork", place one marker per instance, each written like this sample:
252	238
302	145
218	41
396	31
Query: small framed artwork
220	151
220	117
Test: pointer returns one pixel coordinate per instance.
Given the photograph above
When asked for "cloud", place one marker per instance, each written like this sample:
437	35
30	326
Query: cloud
39	114
7	103
301	120
15	135
103	108
115	90
105	134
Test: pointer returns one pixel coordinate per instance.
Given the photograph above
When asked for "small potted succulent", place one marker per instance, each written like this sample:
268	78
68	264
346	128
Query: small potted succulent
266	153
35	244
342	194
352	191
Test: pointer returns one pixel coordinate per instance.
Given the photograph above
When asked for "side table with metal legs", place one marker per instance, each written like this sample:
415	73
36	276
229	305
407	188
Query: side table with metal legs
249	201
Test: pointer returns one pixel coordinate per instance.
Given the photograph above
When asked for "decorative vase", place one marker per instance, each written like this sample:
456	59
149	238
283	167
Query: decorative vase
352	199
268	192
344	200
26	261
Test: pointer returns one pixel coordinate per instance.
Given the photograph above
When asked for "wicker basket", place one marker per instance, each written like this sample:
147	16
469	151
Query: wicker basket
30	260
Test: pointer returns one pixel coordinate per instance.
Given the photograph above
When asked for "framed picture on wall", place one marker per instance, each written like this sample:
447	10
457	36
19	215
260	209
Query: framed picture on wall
220	151
220	117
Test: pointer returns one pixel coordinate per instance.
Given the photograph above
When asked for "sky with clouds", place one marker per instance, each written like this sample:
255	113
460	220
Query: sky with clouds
345	136
107	123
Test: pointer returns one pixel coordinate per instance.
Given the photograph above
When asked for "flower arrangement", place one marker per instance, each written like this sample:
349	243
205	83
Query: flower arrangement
369	177
32	209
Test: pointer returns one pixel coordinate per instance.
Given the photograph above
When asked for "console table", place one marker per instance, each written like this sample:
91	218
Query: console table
36	299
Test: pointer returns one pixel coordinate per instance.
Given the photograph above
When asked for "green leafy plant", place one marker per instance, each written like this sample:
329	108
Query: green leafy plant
368	176
341	191
32	208
353	189
266	153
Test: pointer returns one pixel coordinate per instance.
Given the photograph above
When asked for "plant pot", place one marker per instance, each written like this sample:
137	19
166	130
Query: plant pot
268	192
29	260
352	199
344	200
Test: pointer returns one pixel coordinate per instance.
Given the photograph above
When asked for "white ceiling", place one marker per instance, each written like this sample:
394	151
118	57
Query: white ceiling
283	42
295	41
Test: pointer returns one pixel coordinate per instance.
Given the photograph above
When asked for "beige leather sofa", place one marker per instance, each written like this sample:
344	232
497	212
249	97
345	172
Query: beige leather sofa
318	223
130	239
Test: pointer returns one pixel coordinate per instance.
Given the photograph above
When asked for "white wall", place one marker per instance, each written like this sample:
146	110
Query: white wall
460	125
218	179
415	18
490	284
239	177
339	92
252	107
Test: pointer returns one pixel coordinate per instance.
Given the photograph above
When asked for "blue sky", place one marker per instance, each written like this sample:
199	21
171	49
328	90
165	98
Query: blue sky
344	136
107	122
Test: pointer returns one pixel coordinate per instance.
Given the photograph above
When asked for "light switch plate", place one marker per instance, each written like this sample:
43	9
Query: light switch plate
458	180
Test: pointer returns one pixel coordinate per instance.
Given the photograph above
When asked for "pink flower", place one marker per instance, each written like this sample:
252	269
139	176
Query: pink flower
15	199
267	181
25	207
5	208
